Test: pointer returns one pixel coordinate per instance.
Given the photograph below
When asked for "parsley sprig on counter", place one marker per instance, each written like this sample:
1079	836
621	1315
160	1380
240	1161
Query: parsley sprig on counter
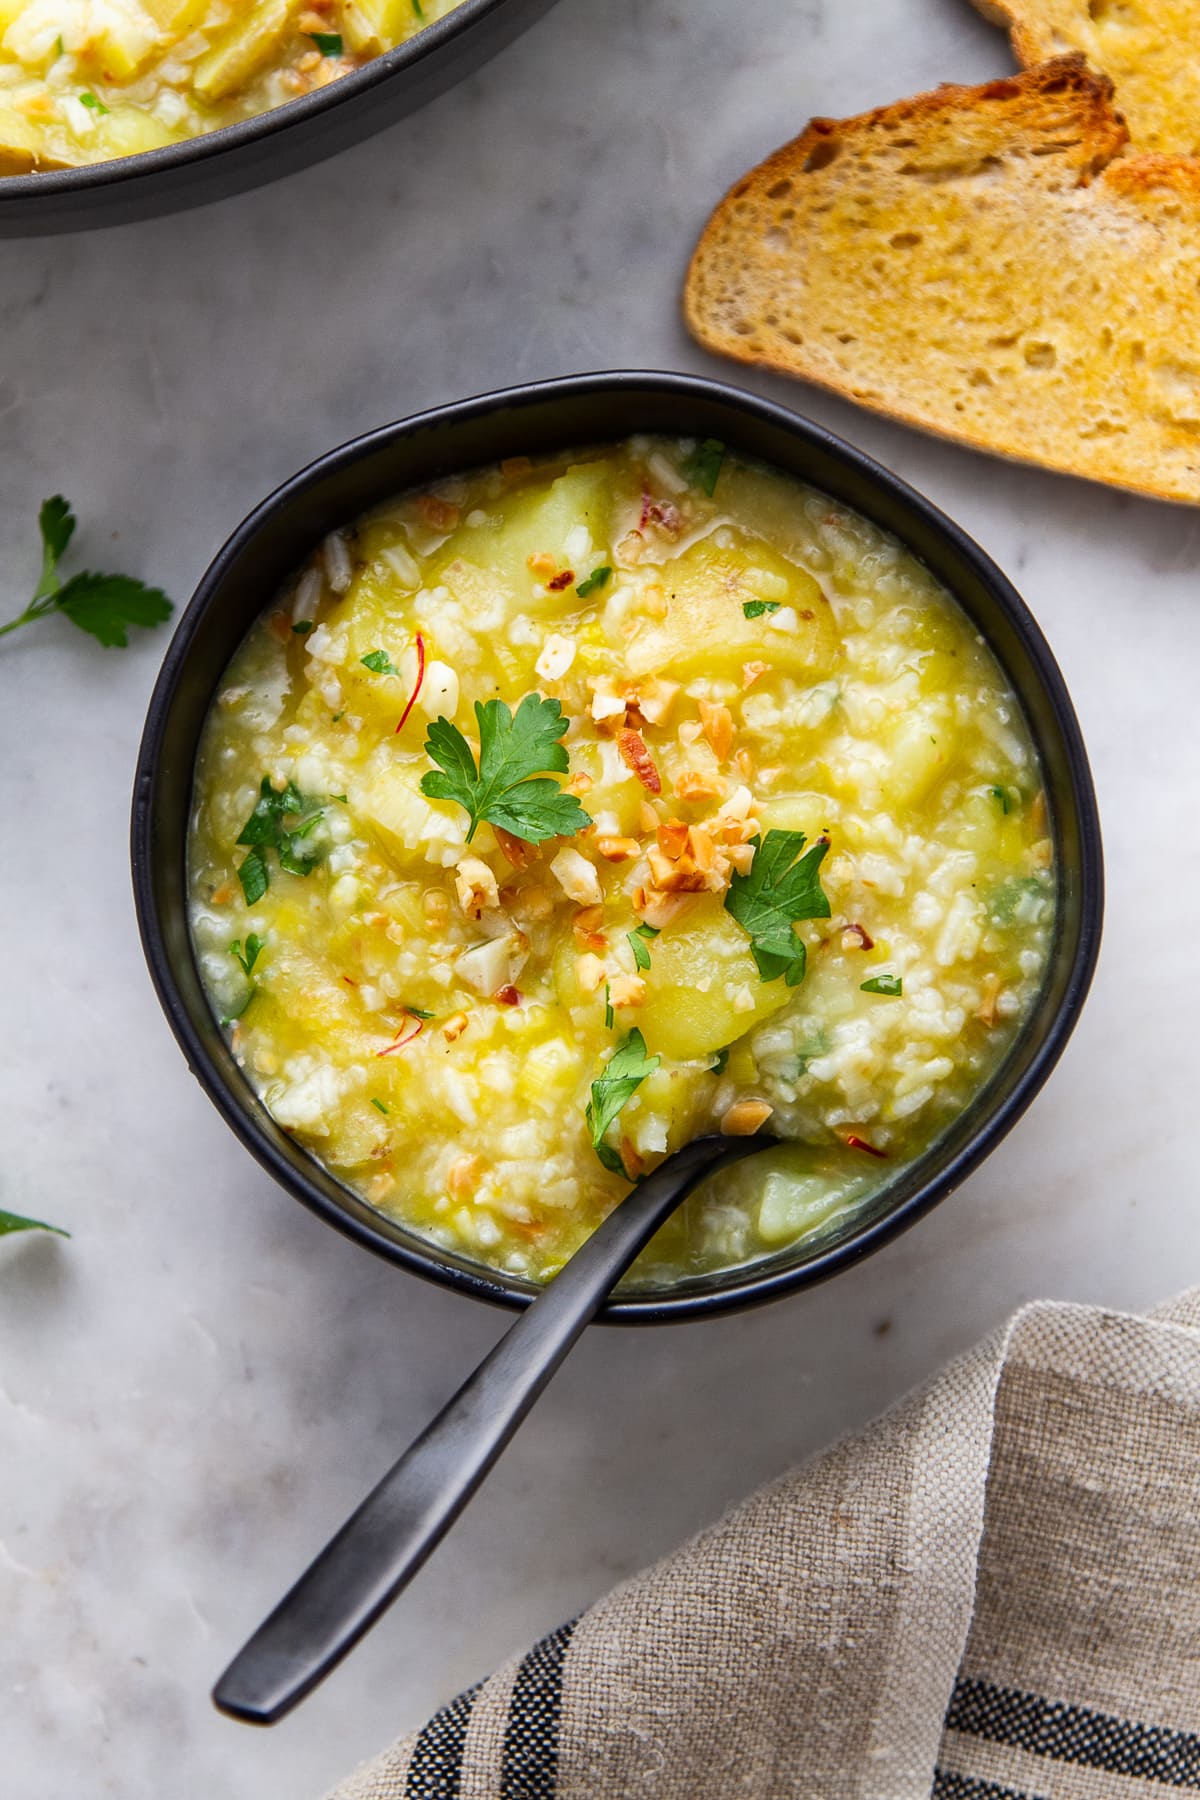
12	1222
778	892
102	605
510	786
624	1073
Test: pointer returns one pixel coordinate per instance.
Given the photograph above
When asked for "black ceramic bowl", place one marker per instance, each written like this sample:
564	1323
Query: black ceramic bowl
553	415
273	144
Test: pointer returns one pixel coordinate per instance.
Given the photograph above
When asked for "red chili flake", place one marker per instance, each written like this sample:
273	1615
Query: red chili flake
865	939
349	982
412	699
634	752
507	996
402	1042
857	1143
562	580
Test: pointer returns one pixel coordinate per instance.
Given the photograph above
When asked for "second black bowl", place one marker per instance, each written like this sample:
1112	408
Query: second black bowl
283	531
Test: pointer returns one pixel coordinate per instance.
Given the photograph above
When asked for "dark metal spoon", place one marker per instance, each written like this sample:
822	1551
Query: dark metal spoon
381	1546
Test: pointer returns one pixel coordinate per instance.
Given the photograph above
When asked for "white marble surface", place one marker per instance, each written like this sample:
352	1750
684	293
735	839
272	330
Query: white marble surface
197	1386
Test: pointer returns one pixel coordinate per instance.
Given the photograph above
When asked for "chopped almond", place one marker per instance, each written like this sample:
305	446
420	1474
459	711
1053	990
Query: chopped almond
701	848
514	849
1037	811
673	838
634	1162
455	1025
463	1175
659	909
647	817
751	672
655	698
439	515
717	722
618	849
634	753
577	877
741	856
542	565
745	1117
692	785
586	926
589	972
580	783
691	731
682	877
476	886
985	1012
627	990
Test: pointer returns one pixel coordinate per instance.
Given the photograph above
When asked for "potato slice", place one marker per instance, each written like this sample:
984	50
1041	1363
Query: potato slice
372	26
703	988
244	49
705	629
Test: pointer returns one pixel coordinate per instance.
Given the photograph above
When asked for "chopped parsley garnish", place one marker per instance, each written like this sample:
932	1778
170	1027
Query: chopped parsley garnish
1001	797
883	984
250	955
417	8
721	1062
754	609
638	939
266	829
595	581
703	466
11	1222
231	1018
93	103
377	1104
379	663
103	605
609	1015
302	627
329	43
509	787
776	894
414	1012
624	1073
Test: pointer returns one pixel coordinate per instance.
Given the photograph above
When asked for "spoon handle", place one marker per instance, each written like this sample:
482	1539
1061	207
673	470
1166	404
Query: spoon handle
383	1544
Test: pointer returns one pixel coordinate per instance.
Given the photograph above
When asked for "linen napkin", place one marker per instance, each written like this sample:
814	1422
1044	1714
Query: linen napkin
992	1593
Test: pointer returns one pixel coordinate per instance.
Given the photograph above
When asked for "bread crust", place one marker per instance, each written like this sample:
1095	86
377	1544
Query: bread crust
750	293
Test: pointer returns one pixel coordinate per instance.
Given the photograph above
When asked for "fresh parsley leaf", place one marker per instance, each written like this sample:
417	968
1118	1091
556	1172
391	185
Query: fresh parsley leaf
609	1015
595	581
93	103
637	940
778	892
722	1062
250	955
414	1012
377	1104
703	466
1000	796
254	877
624	1073
102	605
329	43
12	1222
754	609
302	627
883	984
509	787
417	8
379	663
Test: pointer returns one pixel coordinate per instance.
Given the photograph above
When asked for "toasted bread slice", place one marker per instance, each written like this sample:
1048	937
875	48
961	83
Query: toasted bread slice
1149	48
982	262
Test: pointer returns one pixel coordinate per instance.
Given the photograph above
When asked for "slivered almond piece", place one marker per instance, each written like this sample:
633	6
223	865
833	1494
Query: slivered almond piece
692	785
577	877
985	1012
633	751
586	927
701	848
673	838
627	990
476	886
580	783
647	817
717	722
618	849
589	972
455	1025
514	849
741	857
659	909
745	1117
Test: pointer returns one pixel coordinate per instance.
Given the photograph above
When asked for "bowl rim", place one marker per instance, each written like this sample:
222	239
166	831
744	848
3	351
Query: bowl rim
761	1282
228	140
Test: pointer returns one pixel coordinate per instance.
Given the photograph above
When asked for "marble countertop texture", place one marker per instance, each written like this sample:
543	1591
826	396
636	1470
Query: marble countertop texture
199	1385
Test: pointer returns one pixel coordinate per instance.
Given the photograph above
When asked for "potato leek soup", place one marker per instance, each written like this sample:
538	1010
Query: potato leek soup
571	809
84	80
